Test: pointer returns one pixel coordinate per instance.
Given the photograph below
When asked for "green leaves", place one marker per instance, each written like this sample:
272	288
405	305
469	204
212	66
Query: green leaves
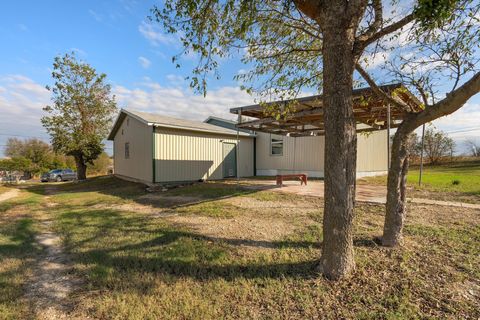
435	13
82	109
283	48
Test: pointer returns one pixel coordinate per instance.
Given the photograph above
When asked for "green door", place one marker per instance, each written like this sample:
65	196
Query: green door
229	160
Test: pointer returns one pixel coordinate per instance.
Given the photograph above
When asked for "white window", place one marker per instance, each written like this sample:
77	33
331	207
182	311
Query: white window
127	150
276	146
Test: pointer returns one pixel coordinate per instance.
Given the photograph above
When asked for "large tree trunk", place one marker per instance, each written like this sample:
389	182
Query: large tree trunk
337	257
81	167
397	188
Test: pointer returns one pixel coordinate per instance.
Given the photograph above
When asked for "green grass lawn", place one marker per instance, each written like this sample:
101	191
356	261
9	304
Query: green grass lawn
463	177
18	252
252	255
457	181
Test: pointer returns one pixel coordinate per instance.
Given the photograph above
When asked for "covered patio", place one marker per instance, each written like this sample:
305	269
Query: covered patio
305	117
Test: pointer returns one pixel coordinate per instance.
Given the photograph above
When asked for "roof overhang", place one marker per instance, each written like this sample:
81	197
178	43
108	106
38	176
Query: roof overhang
124	113
306	117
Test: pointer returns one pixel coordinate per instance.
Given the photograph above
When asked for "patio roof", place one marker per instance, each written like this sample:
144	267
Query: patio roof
306	119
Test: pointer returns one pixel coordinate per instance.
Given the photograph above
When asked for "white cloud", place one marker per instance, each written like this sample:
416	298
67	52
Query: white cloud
374	60
181	102
465	118
461	125
154	35
144	62
21	103
22	27
176	80
97	16
78	51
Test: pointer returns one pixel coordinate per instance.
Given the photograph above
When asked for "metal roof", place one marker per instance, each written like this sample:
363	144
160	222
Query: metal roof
156	120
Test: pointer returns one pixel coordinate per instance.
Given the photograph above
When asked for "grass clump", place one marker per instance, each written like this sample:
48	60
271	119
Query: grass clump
213	209
209	190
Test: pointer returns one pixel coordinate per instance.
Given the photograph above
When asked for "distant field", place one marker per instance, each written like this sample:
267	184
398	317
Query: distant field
459	181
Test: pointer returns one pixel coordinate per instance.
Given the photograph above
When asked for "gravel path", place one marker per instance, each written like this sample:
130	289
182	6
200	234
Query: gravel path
9	194
53	280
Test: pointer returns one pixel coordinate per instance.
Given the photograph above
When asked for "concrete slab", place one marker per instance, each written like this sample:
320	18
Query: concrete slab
364	192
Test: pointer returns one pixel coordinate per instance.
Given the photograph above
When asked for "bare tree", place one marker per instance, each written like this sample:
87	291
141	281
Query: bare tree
437	145
473	147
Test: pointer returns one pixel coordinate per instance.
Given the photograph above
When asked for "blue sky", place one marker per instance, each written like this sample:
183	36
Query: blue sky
116	38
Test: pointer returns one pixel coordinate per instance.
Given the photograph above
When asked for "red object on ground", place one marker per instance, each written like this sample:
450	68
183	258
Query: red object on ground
301	176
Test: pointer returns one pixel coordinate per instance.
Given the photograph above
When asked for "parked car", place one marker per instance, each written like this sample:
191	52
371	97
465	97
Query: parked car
59	175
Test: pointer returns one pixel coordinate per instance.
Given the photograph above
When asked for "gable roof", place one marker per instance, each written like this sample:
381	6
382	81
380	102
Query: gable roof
228	124
156	120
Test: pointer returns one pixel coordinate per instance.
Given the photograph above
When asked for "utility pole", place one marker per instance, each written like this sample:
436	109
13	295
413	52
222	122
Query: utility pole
388	135
237	149
421	157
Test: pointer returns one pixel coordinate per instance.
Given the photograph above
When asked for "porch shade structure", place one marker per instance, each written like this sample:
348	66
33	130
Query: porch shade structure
305	115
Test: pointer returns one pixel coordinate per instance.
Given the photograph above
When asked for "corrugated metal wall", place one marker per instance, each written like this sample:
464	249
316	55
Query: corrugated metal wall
306	154
139	137
299	154
187	155
372	151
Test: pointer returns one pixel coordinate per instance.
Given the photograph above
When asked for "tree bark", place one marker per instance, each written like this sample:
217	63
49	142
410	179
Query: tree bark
396	184
337	258
397	189
81	167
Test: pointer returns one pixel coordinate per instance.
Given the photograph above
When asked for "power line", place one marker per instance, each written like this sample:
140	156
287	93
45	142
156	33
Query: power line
21	136
463	130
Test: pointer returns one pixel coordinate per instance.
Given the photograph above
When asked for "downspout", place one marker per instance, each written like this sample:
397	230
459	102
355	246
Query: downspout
153	155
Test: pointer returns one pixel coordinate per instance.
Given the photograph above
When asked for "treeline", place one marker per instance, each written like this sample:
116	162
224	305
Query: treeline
34	156
437	146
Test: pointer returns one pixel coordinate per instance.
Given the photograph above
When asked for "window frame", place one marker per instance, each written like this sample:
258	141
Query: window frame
127	150
279	141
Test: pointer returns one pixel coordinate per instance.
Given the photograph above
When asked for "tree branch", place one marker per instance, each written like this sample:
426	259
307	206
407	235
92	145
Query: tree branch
361	44
310	8
377	22
379	92
454	101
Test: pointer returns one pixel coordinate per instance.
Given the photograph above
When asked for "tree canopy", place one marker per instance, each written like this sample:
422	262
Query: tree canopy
34	156
295	45
81	113
422	44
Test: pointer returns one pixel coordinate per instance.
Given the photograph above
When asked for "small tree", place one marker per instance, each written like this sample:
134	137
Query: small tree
82	111
38	153
15	164
473	147
437	145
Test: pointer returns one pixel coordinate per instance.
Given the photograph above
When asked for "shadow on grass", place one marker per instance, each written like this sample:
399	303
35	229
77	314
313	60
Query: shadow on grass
118	245
17	250
136	192
368	242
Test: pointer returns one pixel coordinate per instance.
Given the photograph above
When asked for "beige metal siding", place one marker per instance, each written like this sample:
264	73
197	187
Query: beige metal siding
182	155
139	137
299	154
372	153
306	154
